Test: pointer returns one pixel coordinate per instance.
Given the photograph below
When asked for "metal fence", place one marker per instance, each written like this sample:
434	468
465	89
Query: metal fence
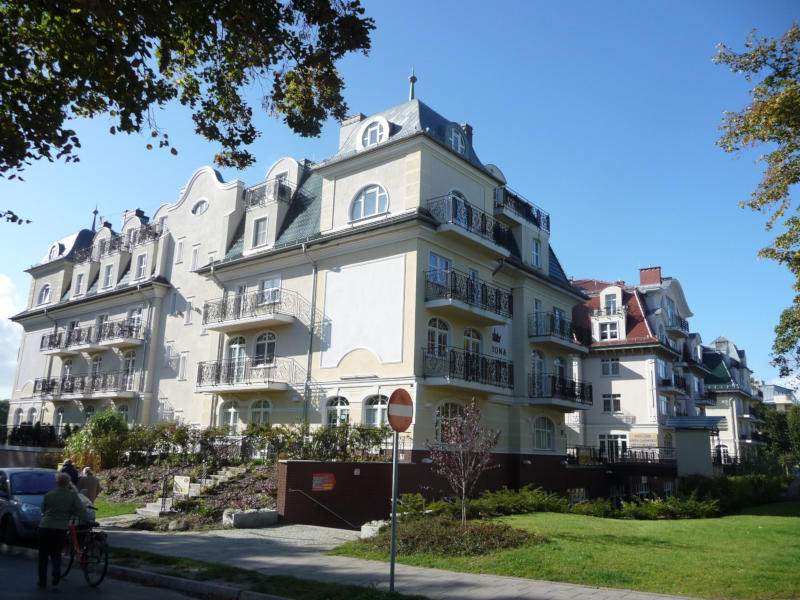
590	455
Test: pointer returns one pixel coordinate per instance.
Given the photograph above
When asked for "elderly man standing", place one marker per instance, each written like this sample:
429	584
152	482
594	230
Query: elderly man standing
57	508
89	484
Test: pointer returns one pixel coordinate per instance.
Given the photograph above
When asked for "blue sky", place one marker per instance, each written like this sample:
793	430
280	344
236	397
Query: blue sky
605	114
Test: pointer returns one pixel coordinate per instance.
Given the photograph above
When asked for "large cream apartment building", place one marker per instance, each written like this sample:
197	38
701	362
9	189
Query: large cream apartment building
402	261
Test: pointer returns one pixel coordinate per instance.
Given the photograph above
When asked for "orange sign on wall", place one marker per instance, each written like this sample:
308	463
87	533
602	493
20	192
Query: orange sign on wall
323	482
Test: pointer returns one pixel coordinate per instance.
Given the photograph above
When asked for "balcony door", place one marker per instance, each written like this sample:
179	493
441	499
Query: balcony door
236	360
438	269
129	370
239	302
537	375
134	321
613	445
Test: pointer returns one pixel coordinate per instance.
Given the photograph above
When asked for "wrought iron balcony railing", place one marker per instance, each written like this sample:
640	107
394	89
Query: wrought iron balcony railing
110	381
122	328
457	211
508	199
454	285
679	323
456	363
52	341
244	306
248	371
549	323
588	455
83	255
554	386
610	312
268	192
81	335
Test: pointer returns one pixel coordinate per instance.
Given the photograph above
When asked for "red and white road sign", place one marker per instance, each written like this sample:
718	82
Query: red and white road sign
400	410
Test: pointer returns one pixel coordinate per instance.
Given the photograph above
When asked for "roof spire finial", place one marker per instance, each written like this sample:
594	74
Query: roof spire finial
94	218
413	80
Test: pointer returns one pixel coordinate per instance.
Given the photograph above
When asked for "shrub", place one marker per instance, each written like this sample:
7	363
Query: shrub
100	443
734	493
445	536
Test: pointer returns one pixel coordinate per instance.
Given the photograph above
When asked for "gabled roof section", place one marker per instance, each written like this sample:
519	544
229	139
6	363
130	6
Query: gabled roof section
68	246
406	120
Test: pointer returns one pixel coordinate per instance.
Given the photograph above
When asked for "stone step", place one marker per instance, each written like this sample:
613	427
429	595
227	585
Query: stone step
146	512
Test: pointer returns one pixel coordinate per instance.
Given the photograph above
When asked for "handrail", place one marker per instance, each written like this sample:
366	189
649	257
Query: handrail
322	505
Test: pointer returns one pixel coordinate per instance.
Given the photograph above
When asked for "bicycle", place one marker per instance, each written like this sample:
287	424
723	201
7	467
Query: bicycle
92	553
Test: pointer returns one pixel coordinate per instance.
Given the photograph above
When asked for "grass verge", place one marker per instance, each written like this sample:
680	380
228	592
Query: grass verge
112	509
279	585
751	555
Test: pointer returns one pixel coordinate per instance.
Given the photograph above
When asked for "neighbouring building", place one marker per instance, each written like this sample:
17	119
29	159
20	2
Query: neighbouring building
779	397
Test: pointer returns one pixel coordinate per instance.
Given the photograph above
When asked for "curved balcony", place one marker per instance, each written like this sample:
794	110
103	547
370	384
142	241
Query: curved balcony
453	292
247	375
458	368
242	312
553	330
559	392
83	339
124	333
517	209
459	219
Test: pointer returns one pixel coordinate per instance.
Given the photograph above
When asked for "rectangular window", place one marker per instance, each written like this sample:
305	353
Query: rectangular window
173	303
269	291
662	369
536	253
182	365
141	266
669	489
195	257
78	285
611	304
609	367
576	495
608	331
611	403
438	267
663	405
179	252
109	269
187	315
260	232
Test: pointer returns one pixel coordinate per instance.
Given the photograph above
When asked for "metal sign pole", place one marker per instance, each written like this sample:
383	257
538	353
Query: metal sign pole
394	510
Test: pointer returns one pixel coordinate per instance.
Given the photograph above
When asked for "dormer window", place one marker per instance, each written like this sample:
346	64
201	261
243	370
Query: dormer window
53	252
608	331
536	253
44	294
107	273
611	304
260	232
373	134
456	141
372	200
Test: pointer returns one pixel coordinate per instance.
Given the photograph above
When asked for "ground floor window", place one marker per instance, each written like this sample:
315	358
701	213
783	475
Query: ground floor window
642	488
338	412
544	433
447	414
613	445
259	412
375	412
230	418
669	489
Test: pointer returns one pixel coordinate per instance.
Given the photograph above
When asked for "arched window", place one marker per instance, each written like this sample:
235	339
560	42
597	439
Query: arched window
456	140
32	412
88	412
538	379
721	454
668	440
265	349
544	434
373	134
259	412
17	417
375	412
123	410
447	414
128	369
438	337
472	340
229	414
44	294
372	200
53	252
200	207
233	372
338	411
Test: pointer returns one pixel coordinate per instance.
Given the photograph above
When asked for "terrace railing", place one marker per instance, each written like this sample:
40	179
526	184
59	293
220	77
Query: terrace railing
122	328
554	386
253	304
456	363
109	381
508	199
590	455
455	285
249	371
268	192
549	323
452	209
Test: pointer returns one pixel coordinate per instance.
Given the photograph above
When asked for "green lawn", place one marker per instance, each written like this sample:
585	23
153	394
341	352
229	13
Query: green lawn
112	509
279	585
754	555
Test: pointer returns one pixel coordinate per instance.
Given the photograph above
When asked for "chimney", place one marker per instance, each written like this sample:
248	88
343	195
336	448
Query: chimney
468	131
650	276
347	126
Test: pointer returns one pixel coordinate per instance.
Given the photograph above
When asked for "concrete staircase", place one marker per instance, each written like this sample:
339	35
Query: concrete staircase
158	509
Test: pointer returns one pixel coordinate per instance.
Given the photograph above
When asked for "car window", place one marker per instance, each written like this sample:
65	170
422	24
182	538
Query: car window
3	482
33	482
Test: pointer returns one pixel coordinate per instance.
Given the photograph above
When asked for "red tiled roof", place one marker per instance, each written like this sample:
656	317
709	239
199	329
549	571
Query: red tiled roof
637	330
591	286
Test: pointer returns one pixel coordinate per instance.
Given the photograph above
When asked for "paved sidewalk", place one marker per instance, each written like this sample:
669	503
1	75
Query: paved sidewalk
300	551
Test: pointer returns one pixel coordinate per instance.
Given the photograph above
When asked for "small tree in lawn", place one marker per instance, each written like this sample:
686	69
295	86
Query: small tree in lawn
464	452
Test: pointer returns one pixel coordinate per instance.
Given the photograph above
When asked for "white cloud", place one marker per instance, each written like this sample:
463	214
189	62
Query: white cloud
10	335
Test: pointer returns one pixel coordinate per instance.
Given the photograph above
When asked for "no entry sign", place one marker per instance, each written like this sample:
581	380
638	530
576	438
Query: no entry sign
400	410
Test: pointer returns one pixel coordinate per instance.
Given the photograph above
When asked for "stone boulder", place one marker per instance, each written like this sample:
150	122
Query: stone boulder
248	519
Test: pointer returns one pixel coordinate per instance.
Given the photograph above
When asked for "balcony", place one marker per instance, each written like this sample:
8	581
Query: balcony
515	208
552	330
453	292
460	220
676	327
124	333
83	339
111	384
54	344
242	312
247	375
268	192
610	311
705	400
457	368
588	455
670	385
553	390
754	438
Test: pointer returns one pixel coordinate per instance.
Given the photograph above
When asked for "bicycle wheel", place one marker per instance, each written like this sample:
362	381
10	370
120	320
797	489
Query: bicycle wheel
95	563
67	556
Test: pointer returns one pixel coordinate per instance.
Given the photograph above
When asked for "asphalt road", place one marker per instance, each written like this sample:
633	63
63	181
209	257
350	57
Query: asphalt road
18	577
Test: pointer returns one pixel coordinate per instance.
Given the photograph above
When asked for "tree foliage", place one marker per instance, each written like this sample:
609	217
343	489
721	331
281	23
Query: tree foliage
777	430
63	59
793	424
100	442
465	451
772	120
